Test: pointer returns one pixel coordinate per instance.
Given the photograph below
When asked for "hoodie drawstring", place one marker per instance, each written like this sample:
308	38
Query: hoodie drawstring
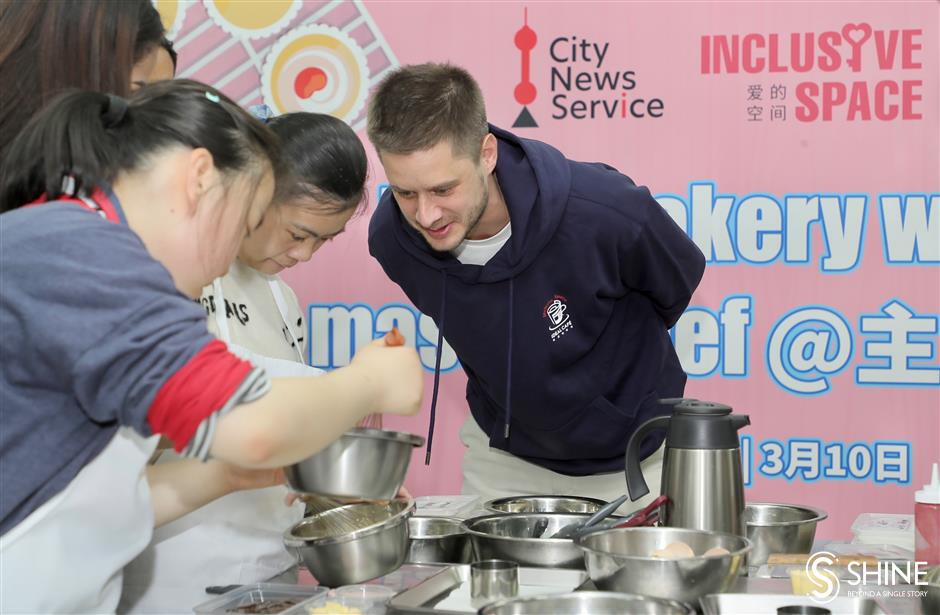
509	368
437	367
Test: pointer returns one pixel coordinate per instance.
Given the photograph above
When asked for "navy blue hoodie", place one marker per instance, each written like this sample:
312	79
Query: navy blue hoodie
563	334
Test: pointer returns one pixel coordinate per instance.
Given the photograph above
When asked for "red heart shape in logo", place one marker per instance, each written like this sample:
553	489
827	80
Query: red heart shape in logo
856	33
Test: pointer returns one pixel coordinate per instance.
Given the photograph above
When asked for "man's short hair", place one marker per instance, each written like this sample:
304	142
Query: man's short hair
416	107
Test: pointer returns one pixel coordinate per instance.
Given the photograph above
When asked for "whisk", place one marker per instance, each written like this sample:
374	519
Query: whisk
371	421
336	517
317	504
374	421
340	518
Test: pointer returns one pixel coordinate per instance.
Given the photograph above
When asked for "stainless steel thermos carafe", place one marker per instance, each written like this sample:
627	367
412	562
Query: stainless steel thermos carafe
701	466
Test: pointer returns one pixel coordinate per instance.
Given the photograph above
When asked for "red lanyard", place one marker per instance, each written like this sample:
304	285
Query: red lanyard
98	202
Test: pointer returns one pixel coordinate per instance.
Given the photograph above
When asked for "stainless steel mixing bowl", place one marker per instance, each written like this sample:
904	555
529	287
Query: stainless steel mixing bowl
780	528
436	540
368	464
587	603
544	504
353	543
513	537
620	560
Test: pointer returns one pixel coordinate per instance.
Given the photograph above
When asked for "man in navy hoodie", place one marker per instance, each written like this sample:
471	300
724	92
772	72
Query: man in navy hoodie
555	282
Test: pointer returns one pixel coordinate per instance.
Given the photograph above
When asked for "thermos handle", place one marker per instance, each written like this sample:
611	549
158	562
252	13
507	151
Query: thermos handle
636	484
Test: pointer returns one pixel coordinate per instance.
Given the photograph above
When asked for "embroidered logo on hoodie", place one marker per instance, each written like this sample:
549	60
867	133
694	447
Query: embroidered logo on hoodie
559	321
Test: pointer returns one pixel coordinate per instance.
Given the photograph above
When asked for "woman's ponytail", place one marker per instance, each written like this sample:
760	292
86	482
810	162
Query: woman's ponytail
64	148
83	140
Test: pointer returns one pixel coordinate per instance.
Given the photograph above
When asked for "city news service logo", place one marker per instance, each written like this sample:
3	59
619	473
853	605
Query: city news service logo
556	312
826	582
525	91
581	84
802	73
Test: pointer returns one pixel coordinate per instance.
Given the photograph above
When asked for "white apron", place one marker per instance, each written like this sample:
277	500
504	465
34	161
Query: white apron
234	539
67	556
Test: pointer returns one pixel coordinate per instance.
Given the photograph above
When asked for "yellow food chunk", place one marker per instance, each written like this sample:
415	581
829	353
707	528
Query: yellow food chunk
334	608
804	584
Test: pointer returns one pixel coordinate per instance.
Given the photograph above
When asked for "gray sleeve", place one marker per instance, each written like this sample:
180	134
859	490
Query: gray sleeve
120	327
255	386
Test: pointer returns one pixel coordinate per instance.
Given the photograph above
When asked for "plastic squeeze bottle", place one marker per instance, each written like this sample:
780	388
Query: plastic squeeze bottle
927	521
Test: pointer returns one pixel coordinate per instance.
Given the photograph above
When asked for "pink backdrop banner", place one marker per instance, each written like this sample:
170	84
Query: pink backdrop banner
797	144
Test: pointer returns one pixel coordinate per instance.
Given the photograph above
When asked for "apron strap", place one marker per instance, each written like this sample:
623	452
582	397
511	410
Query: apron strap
278	295
221	318
98	203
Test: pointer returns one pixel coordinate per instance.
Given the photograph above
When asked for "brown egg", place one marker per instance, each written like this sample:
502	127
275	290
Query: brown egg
675	550
717	551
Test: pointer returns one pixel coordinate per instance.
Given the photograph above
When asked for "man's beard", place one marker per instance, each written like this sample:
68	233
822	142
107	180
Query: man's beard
473	219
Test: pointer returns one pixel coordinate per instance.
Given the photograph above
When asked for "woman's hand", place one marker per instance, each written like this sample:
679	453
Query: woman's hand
242	479
300	416
179	487
395	374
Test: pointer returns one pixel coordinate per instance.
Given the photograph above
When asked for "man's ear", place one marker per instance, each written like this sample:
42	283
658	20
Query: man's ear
489	153
201	177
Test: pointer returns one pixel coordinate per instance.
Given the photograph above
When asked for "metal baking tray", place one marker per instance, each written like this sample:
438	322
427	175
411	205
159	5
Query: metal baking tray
748	604
447	593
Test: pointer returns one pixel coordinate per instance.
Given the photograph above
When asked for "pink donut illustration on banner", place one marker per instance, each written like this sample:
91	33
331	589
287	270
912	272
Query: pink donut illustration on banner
172	14
252	20
316	68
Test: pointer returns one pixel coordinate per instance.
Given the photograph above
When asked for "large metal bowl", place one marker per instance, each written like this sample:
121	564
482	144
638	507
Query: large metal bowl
620	560
437	540
353	543
367	464
587	603
780	528
511	536
544	504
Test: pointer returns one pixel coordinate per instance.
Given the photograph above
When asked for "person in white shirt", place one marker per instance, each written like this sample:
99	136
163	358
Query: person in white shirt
328	165
238	538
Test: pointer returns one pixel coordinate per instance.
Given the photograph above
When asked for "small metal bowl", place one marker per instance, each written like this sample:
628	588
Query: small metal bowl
591	602
619	559
544	504
437	540
353	543
780	528
363	464
512	537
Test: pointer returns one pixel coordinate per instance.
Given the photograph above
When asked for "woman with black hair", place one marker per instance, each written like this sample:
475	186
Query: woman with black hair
157	65
118	213
258	316
324	186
